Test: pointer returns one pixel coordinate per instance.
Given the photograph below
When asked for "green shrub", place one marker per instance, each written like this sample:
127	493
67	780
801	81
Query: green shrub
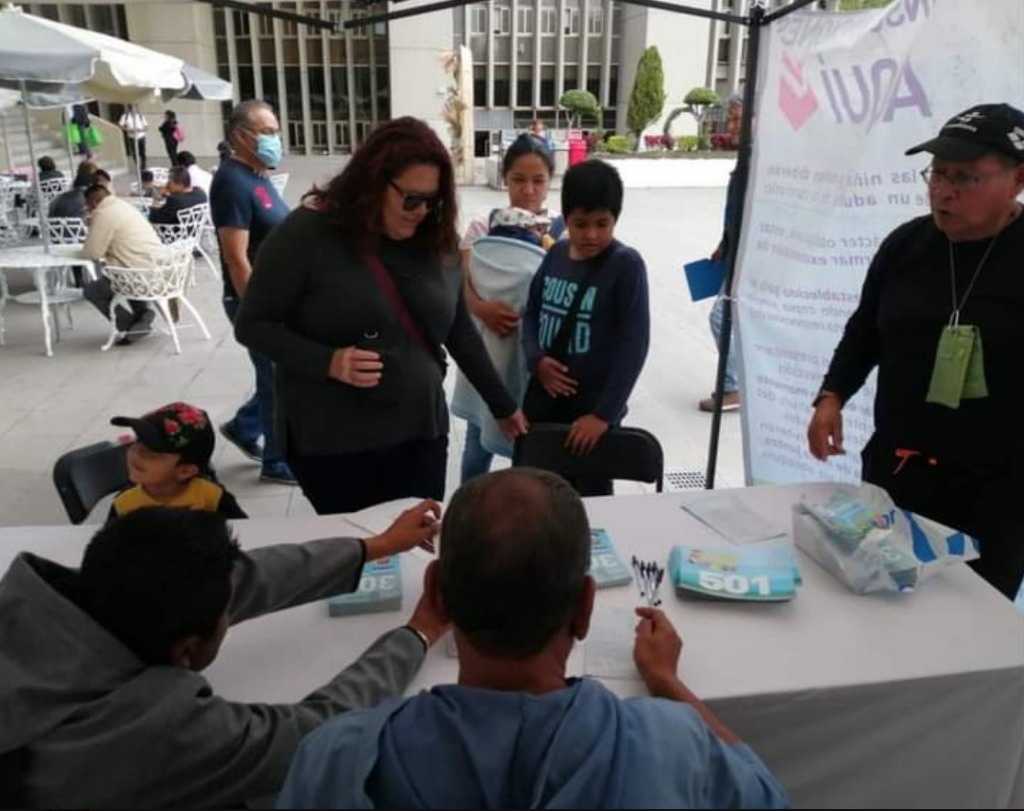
688	143
618	144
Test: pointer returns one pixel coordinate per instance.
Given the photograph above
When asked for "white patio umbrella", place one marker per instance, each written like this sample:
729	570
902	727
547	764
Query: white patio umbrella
34	49
203	86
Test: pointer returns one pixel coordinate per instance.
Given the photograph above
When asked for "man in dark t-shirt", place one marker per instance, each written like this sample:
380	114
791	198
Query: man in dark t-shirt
245	207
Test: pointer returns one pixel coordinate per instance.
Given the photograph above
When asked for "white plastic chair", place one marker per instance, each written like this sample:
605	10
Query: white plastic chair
195	220
8	220
187	233
163	281
67	230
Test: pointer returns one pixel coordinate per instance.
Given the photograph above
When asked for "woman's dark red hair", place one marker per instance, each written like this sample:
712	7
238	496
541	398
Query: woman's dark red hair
354	199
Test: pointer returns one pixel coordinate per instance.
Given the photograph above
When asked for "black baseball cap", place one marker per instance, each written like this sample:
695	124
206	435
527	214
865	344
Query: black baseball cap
175	428
982	130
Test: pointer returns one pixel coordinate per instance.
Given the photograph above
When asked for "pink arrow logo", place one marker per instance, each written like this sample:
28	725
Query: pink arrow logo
796	99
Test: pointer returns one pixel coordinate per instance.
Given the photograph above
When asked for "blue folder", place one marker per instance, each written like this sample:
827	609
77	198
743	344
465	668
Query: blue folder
705	277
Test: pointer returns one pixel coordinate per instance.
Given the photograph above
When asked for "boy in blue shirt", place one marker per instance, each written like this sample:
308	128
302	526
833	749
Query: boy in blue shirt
586	328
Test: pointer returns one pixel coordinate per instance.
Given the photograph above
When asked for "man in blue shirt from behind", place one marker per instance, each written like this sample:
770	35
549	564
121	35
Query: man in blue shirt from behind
514	732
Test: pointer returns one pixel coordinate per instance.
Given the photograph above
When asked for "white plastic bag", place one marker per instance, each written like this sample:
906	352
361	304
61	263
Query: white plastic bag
859	535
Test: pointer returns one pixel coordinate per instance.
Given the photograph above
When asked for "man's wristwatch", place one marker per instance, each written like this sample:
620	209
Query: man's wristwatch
422	636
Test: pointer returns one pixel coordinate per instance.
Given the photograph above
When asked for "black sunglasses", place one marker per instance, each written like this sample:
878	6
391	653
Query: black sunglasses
412	201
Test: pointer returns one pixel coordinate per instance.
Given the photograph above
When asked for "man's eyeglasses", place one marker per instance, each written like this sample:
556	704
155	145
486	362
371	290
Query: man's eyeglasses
412	201
961	181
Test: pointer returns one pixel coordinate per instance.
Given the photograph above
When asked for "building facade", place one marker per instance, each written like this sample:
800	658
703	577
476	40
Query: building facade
331	87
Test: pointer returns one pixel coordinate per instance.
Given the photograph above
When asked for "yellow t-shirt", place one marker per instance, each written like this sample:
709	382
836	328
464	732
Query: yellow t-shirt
200	494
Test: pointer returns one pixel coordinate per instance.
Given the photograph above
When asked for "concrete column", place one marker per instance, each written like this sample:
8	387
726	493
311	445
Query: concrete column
513	89
606	99
490	55
418	81
257	59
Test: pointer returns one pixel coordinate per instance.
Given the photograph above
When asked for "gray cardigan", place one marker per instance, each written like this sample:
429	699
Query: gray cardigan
309	295
89	725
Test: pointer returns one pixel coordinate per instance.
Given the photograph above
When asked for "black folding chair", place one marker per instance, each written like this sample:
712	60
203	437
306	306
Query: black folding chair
85	475
622	453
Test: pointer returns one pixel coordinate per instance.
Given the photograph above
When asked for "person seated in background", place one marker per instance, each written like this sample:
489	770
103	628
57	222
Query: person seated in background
120	235
518	223
101	665
48	169
70	203
515	732
102	176
177	195
169	464
147	186
84	174
201	179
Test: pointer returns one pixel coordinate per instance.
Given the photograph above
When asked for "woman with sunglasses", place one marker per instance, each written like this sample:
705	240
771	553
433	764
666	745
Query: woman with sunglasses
353	297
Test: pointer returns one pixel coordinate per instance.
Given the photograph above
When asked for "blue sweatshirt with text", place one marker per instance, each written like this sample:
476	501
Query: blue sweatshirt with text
609	343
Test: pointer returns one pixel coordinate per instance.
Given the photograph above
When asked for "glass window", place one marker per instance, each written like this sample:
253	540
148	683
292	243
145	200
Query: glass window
266	22
246	84
75	15
478	20
317	93
524	92
547	92
549	21
595	20
524	20
103	20
383	94
502	87
502	21
479	86
572	21
218	23
361	79
270	93
241	19
363	31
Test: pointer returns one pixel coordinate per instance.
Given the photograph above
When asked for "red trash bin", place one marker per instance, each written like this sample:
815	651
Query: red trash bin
577	151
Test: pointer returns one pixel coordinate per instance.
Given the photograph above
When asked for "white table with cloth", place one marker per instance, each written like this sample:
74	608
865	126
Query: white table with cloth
912	700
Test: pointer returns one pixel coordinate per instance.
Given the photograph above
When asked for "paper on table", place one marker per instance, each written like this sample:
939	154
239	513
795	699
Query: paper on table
608	648
731	518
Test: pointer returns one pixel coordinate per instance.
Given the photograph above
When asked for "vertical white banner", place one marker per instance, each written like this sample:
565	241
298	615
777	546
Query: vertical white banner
840	98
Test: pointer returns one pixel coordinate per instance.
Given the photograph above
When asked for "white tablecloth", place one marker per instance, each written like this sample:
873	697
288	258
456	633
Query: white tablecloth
857	701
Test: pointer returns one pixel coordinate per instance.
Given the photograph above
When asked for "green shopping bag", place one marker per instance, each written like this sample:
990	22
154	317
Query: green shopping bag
94	136
74	134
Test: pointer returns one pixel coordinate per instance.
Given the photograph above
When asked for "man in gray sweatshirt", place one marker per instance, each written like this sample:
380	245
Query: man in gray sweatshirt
101	699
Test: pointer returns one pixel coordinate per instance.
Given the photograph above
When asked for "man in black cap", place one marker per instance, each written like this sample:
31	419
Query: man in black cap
169	464
941	315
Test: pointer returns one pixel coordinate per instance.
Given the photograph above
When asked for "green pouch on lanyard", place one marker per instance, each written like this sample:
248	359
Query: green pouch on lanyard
959	369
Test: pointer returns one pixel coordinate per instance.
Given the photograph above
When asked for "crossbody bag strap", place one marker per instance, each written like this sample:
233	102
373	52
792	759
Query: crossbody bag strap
390	290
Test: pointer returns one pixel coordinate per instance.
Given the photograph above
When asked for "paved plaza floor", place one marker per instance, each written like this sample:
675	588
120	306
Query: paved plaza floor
51	405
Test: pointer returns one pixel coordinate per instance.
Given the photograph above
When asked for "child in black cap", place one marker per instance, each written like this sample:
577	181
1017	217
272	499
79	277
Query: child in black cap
169	464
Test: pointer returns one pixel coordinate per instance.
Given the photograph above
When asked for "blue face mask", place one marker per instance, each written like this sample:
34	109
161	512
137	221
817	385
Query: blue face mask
269	149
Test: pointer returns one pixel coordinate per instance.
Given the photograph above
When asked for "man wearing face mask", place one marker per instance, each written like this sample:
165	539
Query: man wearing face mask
245	207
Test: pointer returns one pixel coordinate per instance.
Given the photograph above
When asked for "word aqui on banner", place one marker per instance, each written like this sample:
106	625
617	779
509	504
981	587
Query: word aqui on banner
842	96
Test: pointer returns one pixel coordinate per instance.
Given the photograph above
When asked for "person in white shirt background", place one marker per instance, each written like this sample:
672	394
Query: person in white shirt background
134	125
201	179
